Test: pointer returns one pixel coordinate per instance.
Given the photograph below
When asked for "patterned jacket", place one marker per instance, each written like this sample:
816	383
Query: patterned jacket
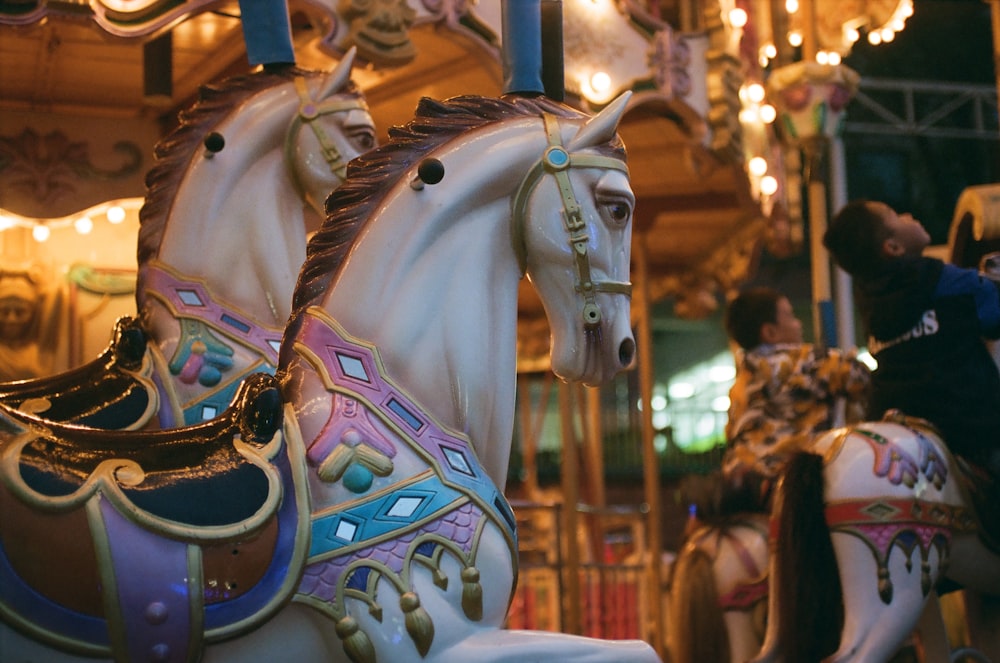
782	397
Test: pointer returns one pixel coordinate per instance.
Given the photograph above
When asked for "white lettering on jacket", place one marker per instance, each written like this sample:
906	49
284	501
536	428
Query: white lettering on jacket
927	326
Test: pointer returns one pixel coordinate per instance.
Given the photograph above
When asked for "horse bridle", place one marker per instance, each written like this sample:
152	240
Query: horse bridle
557	161
309	111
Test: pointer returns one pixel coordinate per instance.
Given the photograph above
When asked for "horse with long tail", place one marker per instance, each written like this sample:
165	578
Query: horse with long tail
376	529
870	521
716	605
717	591
221	241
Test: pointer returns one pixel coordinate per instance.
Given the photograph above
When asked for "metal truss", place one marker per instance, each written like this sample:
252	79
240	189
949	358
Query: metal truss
924	108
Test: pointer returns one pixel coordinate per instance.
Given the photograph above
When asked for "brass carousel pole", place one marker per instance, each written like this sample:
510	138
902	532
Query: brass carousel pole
650	459
811	98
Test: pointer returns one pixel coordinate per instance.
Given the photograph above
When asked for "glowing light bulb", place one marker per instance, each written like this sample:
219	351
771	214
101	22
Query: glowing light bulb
768	113
852	35
755	92
768	185
738	17
600	82
770	50
791	6
822	57
116	214
874	38
83	225
888	35
834	58
757	166
40	232
795	38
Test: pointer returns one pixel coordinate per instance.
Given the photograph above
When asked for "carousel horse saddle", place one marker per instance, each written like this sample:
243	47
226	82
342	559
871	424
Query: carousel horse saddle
138	544
110	392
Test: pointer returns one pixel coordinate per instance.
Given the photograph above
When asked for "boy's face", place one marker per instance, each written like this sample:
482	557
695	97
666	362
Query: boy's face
786	328
906	235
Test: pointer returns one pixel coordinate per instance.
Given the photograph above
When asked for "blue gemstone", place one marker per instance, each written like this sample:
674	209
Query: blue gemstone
357	478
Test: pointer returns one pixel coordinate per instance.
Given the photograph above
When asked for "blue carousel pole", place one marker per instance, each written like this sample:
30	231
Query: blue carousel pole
267	32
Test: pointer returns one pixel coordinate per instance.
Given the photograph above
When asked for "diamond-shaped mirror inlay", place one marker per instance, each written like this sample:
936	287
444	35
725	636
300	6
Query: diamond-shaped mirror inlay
353	367
346	530
404	506
275	344
190	297
209	412
457	460
881	510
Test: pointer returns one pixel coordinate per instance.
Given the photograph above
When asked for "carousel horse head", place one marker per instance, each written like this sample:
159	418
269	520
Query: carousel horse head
590	251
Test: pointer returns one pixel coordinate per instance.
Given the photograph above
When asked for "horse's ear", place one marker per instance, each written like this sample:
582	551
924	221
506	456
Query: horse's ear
337	78
601	128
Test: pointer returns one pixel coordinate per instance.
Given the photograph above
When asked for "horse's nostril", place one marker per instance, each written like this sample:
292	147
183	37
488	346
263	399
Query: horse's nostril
626	352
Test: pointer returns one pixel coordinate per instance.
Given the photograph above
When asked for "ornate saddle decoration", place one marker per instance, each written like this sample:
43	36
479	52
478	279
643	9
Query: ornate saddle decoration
197	534
204	351
911	524
114	391
398	518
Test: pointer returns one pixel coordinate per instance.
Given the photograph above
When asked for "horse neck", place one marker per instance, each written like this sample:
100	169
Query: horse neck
441	305
237	221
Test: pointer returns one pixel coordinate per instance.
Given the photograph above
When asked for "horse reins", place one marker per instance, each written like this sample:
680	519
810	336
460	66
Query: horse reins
311	110
557	162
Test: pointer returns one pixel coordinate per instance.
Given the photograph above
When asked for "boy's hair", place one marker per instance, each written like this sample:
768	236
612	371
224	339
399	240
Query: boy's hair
854	238
748	312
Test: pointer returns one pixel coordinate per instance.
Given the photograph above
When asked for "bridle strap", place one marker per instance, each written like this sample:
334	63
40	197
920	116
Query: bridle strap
557	161
309	112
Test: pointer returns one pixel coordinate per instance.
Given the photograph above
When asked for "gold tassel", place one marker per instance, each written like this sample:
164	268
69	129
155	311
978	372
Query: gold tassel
472	594
357	646
418	622
884	585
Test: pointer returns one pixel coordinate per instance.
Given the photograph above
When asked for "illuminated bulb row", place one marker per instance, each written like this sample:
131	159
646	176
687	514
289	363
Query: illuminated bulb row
42	230
755	111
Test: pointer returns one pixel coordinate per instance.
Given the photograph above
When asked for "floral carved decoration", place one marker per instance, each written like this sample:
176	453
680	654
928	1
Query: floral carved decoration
48	167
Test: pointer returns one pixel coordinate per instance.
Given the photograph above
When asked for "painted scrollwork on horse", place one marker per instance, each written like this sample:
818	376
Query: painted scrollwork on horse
375	529
221	240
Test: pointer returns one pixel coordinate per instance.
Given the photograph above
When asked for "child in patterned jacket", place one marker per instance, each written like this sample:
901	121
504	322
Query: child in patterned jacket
785	392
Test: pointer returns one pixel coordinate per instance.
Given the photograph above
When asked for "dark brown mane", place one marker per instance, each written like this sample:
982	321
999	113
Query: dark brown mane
370	176
175	150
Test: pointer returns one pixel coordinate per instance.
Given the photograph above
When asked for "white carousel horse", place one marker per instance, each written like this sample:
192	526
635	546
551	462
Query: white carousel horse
718	590
374	528
221	241
876	516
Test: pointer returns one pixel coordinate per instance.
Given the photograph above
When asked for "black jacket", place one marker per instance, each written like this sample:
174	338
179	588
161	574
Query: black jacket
926	321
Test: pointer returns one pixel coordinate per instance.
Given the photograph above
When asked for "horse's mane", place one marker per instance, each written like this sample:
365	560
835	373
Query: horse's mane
369	177
174	151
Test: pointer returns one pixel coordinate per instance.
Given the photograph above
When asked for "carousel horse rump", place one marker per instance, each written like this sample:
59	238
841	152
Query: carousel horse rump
882	516
369	527
718	590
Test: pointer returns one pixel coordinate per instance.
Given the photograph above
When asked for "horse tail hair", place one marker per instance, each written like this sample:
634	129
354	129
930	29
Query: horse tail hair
696	629
810	600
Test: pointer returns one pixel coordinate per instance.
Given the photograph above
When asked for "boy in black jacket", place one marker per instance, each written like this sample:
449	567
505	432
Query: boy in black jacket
925	321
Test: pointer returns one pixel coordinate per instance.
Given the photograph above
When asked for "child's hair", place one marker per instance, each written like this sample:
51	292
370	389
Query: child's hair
748	312
854	238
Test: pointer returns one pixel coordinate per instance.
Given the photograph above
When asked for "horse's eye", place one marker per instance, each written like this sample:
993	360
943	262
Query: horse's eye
365	140
618	212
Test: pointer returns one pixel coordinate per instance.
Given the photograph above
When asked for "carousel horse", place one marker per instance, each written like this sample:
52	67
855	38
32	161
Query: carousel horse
718	590
370	525
868	522
222	237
